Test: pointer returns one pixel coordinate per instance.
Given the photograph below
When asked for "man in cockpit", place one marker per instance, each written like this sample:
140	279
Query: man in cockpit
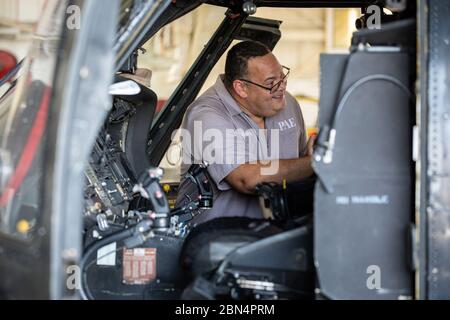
249	129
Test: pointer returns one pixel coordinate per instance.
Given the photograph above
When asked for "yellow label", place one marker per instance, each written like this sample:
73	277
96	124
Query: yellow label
23	226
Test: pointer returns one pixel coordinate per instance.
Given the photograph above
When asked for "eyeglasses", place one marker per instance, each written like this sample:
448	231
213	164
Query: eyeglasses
277	85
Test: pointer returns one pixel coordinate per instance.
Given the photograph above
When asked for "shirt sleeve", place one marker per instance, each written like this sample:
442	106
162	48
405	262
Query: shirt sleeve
210	135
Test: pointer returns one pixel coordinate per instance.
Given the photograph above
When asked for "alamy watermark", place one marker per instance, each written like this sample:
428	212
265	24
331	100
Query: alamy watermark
229	147
73	17
373	282
73	281
373	17
373	20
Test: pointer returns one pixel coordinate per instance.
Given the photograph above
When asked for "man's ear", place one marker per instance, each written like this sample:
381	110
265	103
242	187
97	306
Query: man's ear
240	89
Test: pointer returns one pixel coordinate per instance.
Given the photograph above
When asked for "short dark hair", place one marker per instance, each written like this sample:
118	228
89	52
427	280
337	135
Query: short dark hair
236	65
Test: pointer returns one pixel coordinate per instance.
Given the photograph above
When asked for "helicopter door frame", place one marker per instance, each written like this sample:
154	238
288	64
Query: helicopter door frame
433	256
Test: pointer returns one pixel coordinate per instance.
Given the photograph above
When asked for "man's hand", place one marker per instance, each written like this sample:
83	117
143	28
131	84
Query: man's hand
245	177
310	145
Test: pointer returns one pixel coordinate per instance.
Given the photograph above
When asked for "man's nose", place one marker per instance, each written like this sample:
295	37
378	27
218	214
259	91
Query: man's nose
282	86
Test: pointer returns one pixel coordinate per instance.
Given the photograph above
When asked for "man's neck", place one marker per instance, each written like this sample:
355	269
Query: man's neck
257	119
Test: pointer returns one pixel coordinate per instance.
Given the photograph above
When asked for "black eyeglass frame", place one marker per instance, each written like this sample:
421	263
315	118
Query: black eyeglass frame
276	85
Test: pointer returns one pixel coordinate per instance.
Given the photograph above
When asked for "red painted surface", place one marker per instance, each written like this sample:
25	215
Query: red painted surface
160	104
7	62
29	151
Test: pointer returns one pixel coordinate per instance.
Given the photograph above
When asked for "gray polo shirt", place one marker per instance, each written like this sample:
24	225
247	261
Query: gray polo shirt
215	129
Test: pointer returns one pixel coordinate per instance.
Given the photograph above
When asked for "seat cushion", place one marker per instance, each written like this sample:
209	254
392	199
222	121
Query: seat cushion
210	242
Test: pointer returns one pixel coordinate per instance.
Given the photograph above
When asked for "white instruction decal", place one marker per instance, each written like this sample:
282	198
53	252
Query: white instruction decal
106	256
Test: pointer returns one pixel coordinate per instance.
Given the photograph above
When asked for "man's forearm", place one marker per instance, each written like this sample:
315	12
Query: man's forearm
247	176
288	169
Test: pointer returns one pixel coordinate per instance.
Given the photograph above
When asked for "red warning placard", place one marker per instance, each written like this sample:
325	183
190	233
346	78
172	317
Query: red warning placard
139	265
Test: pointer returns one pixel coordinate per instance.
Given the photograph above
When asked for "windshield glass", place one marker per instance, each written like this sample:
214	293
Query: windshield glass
23	118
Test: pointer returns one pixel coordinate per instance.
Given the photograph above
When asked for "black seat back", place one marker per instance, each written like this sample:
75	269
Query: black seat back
133	131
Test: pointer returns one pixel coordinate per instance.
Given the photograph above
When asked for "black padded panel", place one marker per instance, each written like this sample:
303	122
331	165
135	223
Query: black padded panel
135	130
363	220
253	248
289	250
210	242
332	68
285	259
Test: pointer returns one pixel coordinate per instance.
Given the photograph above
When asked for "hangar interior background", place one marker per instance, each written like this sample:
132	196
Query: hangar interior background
305	34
